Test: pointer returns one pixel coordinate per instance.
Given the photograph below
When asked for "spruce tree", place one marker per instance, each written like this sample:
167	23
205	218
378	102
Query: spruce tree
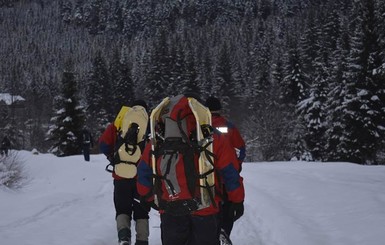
99	96
189	73
177	79
313	111
293	85
68	119
158	81
224	81
293	89
121	81
335	134
364	99
78	15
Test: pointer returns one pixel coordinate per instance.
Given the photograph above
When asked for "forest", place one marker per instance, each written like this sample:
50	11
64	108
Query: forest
301	79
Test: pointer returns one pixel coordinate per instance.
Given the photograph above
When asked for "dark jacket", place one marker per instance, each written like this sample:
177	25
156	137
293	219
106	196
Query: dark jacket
87	139
5	143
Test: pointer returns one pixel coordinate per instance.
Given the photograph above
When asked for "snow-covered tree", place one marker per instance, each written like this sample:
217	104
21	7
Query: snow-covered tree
158	73
121	81
68	119
313	111
65	10
335	134
224	81
364	101
99	96
293	84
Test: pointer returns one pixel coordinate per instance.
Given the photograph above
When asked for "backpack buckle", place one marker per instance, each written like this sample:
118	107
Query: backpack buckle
207	130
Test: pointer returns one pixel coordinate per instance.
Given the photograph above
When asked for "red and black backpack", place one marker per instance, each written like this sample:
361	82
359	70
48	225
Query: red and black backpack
176	178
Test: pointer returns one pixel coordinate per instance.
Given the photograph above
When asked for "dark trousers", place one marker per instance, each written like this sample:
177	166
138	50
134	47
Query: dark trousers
126	199
227	220
86	152
4	151
189	230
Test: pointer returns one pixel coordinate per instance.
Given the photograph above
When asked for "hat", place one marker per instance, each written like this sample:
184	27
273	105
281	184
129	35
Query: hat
213	104
192	94
141	103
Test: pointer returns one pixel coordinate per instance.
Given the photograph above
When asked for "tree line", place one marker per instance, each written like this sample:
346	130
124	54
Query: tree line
301	79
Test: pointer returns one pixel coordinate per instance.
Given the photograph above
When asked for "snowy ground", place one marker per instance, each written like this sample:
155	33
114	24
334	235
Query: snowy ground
69	201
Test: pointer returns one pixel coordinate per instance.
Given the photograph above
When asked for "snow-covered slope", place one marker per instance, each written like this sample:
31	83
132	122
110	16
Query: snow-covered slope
69	201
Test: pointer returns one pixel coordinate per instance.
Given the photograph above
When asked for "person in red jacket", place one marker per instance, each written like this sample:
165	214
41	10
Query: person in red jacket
196	227
126	198
231	132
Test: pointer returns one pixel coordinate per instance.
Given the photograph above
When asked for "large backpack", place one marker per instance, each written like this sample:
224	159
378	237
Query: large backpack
131	124
182	159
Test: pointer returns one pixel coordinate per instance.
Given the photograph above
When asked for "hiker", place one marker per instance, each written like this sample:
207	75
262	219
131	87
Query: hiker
5	145
229	130
126	198
174	185
87	144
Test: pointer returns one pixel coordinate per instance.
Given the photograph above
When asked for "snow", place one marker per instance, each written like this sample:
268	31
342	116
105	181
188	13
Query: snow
69	201
10	99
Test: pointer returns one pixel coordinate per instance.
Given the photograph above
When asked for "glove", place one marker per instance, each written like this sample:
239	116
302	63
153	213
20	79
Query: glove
236	210
147	205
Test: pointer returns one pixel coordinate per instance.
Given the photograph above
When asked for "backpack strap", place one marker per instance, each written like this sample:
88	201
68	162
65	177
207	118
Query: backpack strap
202	147
179	123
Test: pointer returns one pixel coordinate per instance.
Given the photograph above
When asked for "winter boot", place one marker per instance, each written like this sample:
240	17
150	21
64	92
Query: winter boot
123	225
224	238
142	231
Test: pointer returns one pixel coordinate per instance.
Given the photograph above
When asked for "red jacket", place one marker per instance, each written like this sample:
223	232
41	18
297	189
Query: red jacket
107	144
229	130
223	164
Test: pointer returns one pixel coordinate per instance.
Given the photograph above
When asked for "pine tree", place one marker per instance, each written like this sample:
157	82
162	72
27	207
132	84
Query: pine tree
190	73
309	47
114	18
335	134
206	11
78	15
68	120
293	89
65	10
158	74
284	124
364	99
99	96
313	111
132	20
97	17
204	67
34	131
223	77
121	81
293	84
178	81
